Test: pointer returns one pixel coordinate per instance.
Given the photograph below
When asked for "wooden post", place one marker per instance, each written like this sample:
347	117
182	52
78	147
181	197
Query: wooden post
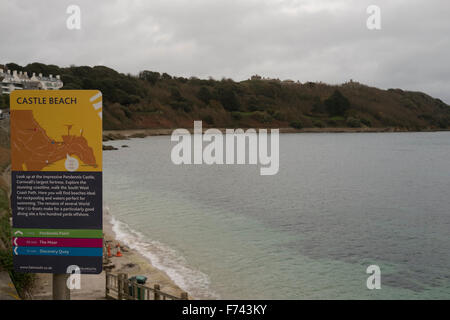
107	284
157	288
120	286
135	290
126	291
184	296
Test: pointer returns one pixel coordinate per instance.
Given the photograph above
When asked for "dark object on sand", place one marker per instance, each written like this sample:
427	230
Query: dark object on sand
107	148
138	135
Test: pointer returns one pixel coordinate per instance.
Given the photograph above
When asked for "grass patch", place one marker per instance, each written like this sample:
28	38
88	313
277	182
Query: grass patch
337	118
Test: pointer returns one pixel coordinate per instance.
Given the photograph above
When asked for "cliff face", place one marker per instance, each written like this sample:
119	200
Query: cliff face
154	100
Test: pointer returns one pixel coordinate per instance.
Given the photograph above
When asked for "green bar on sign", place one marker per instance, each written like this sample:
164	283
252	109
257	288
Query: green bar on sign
57	233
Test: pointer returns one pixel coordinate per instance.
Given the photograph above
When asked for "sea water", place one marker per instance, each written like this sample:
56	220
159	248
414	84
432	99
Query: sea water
339	203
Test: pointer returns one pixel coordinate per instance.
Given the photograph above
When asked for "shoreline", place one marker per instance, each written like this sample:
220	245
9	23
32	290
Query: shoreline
125	134
132	262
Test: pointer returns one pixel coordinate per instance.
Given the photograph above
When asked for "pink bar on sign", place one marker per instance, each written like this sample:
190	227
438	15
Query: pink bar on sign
57	242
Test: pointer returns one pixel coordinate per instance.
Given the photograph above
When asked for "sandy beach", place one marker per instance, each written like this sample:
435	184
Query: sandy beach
93	286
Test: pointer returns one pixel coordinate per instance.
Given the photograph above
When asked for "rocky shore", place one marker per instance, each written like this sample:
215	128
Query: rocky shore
110	135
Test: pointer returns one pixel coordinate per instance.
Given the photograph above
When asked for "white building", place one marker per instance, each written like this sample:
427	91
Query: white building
20	81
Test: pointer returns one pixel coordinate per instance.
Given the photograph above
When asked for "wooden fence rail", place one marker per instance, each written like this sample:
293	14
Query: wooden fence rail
119	287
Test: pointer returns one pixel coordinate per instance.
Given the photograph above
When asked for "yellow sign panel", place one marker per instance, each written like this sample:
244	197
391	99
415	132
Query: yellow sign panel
57	130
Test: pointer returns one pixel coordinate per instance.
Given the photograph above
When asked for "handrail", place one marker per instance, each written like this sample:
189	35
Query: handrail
120	284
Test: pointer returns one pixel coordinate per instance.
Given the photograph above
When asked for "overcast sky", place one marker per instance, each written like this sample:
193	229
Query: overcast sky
306	40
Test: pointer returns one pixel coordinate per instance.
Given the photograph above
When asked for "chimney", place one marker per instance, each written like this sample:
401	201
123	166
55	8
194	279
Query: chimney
58	77
40	75
50	76
9	71
15	73
1	70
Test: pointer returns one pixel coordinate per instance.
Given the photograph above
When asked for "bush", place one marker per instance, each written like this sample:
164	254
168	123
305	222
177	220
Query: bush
228	99
261	116
150	76
208	119
186	106
366	122
318	124
4	101
255	107
296	125
353	122
166	76
204	95
337	104
318	107
236	115
331	123
22	281
179	102
443	123
279	116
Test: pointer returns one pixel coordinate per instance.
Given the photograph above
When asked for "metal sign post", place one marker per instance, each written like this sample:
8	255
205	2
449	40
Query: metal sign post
60	288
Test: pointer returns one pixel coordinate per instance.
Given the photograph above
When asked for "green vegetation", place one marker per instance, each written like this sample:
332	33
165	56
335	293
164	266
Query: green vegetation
4	205
4	101
337	104
22	281
155	100
353	122
4	149
366	122
296	124
318	124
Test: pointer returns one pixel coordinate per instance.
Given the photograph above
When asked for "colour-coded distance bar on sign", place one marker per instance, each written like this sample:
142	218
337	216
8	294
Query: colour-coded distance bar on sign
58	242
53	251
57	233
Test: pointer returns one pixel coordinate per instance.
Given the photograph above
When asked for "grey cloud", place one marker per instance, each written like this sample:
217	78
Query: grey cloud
306	40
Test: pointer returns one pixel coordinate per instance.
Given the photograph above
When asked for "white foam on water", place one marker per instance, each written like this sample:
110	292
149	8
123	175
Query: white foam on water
164	258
